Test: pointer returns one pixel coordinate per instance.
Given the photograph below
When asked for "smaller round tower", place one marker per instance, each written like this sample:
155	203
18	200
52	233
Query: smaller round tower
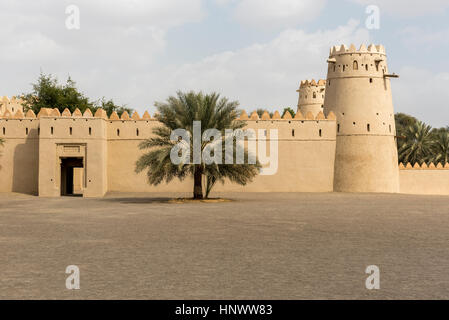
13	105
311	96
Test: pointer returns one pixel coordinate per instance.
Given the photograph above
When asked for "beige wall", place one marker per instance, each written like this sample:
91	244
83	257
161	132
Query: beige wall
19	161
31	158
424	181
306	160
76	142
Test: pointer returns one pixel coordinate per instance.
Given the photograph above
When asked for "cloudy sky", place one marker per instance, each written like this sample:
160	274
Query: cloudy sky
254	51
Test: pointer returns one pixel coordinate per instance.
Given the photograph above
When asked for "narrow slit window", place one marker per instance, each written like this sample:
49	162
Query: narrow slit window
320	132
293	132
370	80
338	127
137	132
4	130
70	130
26	131
51	130
368	127
90	131
366	67
118	132
356	65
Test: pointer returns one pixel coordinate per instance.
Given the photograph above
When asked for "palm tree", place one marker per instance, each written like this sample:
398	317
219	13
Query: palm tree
418	143
179	112
441	147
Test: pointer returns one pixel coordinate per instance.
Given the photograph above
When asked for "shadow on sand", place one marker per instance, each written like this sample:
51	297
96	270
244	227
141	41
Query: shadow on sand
142	200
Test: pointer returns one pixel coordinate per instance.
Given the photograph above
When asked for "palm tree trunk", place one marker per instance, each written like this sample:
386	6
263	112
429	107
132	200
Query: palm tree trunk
197	183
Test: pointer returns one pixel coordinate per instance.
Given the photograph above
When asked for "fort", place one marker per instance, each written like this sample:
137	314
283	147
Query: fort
342	139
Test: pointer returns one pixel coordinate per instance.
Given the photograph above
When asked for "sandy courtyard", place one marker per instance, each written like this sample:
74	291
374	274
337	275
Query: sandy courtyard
260	246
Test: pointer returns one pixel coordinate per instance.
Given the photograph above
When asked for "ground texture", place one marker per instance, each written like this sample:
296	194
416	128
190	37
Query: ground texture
259	246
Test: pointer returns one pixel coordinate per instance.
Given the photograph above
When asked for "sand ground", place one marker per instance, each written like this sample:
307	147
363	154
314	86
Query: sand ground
259	246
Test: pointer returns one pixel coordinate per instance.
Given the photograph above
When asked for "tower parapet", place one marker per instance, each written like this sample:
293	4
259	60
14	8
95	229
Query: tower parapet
311	96
358	91
12	105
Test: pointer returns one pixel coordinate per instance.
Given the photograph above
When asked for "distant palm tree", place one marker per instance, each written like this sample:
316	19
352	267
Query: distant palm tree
441	147
418	143
179	112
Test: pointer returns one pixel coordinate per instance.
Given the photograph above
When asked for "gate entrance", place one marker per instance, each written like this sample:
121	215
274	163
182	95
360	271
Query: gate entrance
71	176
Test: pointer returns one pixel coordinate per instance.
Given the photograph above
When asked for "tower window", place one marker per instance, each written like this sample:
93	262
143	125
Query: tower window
118	132
70	130
293	132
334	67
4	130
137	132
90	131
26	131
314	95
338	127
320	132
51	130
344	67
368	127
370	80
356	65
366	67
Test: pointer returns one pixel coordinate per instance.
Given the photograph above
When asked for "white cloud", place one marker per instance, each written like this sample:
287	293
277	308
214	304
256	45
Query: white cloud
261	75
279	13
423	94
428	39
408	8
117	38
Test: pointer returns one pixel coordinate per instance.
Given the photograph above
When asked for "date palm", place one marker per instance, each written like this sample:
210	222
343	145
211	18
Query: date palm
441	147
179	112
418	143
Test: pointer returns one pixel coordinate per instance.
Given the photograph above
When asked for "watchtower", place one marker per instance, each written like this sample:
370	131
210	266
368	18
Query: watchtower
311	96
358	91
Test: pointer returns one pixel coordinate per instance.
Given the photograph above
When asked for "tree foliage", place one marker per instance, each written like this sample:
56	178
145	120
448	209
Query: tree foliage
179	112
419	142
288	109
47	92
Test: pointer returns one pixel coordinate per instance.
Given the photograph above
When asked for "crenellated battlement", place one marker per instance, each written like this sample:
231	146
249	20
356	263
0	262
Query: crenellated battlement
276	116
368	62
52	124
343	49
311	83
12	105
424	166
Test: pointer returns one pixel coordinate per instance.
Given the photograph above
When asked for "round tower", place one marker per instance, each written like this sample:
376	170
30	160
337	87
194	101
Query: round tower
311	96
358	91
